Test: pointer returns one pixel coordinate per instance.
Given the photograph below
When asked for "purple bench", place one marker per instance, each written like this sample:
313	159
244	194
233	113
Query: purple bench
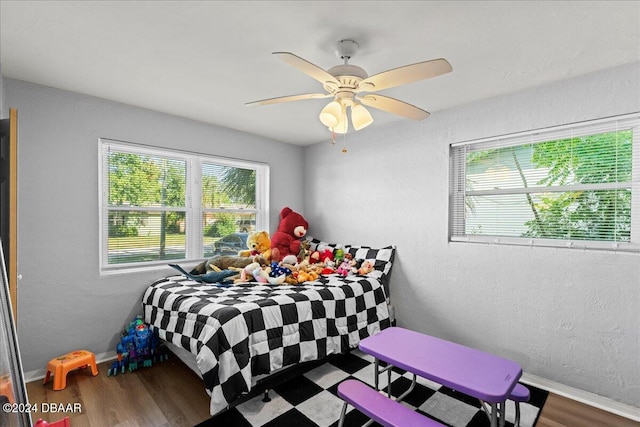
379	407
519	394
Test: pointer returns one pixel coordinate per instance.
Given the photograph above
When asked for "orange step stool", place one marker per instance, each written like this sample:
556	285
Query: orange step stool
62	365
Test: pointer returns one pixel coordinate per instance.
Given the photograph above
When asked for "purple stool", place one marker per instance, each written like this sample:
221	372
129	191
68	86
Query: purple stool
379	407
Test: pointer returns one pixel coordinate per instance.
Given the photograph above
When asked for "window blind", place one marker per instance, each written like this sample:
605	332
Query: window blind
574	185
160	204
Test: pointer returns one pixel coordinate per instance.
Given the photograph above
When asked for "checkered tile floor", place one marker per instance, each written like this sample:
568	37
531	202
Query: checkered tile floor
310	400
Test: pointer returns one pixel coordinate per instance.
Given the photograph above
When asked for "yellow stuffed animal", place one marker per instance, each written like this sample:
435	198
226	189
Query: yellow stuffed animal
258	243
307	276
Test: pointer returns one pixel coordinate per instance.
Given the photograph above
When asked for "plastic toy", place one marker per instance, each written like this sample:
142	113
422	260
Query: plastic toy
138	346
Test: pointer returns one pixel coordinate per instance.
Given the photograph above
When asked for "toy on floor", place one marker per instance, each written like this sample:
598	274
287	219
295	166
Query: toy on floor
138	347
60	423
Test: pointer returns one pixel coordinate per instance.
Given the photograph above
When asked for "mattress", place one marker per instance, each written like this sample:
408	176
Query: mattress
247	330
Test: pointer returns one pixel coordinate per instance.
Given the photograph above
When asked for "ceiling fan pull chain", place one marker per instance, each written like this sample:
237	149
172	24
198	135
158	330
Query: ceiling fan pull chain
344	140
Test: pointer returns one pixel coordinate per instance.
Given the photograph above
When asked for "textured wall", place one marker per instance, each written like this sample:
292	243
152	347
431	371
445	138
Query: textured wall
63	302
571	316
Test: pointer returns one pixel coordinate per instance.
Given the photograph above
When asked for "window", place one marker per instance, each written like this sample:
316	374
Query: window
573	186
162	205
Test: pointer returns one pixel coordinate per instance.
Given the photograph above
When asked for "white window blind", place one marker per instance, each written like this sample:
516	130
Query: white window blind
576	185
161	205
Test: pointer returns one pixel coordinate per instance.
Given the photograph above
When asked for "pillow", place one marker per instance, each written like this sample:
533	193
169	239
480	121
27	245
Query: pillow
381	258
315	243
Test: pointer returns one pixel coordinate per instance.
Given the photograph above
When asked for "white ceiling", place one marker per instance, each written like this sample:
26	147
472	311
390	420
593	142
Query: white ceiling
204	59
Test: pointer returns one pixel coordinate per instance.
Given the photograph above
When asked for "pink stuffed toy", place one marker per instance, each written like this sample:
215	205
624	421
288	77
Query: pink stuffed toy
285	241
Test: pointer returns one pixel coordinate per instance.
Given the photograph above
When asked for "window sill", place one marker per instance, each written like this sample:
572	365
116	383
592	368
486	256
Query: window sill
549	243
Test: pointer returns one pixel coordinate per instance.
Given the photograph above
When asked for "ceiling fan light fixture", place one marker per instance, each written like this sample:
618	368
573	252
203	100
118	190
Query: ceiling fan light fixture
360	117
331	114
342	126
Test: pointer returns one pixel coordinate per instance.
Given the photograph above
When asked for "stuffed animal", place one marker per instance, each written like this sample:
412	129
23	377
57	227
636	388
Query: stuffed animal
262	275
291	279
326	256
217	277
225	262
328	270
305	245
347	266
290	259
307	276
258	243
306	272
365	268
259	274
279	270
314	257
246	274
344	268
285	241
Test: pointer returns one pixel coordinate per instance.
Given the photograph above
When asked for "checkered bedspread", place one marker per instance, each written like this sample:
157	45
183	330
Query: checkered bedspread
252	329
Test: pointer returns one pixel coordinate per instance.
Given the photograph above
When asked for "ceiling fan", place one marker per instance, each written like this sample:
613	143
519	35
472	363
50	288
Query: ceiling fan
351	87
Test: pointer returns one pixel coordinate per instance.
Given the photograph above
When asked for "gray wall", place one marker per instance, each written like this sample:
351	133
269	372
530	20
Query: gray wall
569	316
63	302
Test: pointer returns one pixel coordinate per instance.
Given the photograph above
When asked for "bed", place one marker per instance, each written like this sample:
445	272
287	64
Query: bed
240	333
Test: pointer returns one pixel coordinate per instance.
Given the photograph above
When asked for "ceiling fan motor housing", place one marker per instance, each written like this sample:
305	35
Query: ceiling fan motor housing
347	70
349	76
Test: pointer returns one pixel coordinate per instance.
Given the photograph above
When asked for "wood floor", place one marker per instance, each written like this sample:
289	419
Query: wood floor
170	394
559	411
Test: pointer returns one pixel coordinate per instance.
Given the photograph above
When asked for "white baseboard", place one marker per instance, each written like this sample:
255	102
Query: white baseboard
40	373
582	396
572	393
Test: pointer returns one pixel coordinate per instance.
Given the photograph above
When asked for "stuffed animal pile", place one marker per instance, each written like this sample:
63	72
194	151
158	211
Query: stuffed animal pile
283	258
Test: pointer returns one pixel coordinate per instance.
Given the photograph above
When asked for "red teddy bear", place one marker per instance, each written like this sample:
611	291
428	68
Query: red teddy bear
285	241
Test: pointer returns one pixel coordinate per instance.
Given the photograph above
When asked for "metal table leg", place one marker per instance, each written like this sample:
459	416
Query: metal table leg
343	414
494	414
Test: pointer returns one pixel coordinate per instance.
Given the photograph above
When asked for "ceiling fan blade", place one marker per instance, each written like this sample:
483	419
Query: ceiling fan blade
307	67
289	98
404	75
394	106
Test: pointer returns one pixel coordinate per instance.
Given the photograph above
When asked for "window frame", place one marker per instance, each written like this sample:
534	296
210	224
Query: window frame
194	236
458	175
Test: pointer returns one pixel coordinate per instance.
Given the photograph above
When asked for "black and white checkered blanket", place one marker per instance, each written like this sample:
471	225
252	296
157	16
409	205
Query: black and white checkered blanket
252	329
